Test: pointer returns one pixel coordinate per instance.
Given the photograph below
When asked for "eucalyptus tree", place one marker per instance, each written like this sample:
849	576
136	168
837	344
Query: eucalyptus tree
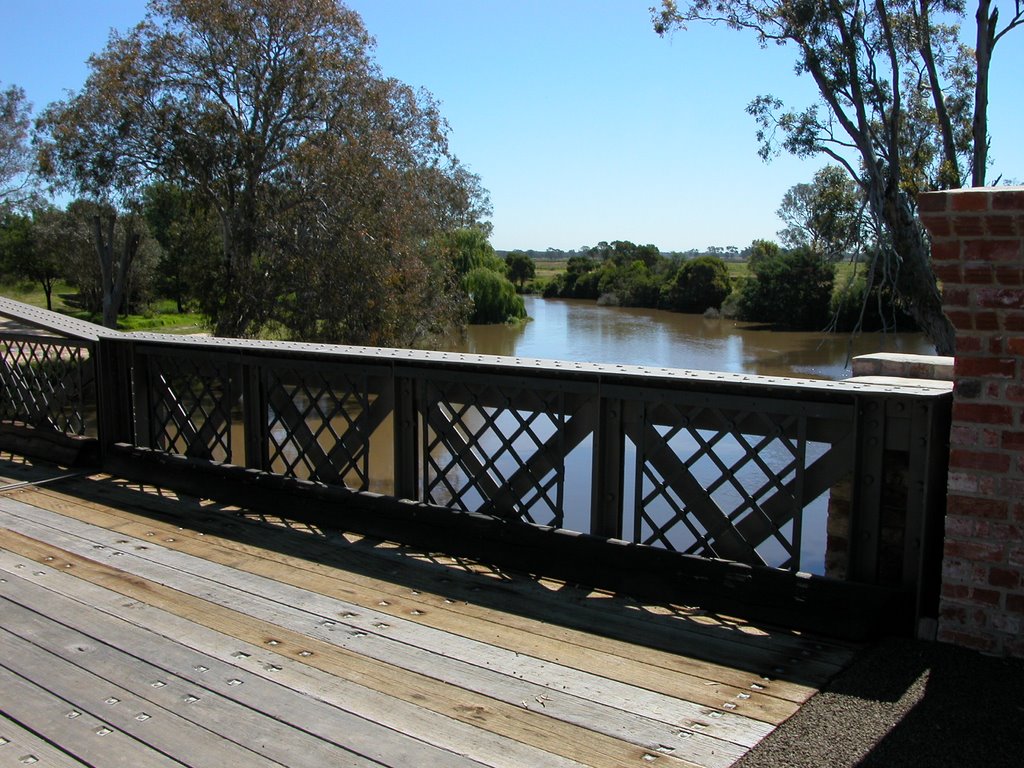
902	108
326	178
826	215
47	259
15	154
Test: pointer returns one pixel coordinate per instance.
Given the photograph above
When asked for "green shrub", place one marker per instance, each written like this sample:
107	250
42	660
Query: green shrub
698	284
494	297
855	308
791	289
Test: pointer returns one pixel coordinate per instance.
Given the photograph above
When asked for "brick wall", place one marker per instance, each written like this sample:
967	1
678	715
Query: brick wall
978	255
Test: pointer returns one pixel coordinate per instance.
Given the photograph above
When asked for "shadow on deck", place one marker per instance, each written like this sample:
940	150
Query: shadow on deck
153	628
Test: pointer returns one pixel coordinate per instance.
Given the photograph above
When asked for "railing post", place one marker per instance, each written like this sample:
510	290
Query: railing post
865	514
926	507
406	442
608	470
143	399
254	416
115	421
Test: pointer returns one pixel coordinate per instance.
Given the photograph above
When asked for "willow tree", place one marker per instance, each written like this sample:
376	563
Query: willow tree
326	178
902	109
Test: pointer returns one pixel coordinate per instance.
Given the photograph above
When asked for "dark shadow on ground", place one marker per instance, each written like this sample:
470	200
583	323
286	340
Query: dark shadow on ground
907	703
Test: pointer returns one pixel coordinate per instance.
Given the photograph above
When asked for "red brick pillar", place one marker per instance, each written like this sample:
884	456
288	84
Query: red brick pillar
978	255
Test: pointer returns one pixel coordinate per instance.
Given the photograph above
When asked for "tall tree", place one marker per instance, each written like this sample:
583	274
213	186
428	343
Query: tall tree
988	33
91	146
520	268
47	261
15	154
825	215
114	242
188	235
895	110
274	113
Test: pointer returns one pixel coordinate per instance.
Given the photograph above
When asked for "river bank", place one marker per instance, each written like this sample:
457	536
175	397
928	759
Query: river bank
580	330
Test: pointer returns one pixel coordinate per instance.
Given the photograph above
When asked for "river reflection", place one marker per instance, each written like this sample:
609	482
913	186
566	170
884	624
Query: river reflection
565	329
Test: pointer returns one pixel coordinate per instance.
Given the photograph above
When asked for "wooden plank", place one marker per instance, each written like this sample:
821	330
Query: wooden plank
234	664
761	651
526	721
801	601
477	674
458	661
88	738
165	730
241	707
20	747
778	655
712	685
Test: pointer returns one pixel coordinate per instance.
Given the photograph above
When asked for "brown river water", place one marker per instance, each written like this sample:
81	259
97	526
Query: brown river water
578	330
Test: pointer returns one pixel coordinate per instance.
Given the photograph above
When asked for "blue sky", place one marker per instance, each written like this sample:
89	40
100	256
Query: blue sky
582	123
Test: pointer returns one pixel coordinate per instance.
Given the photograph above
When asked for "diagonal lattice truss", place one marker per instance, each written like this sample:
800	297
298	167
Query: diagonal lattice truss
191	407
496	450
47	383
727	483
319	425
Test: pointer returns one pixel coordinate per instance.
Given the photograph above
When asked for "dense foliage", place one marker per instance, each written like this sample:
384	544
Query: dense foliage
790	289
520	268
481	276
902	108
624	274
493	297
325	178
698	285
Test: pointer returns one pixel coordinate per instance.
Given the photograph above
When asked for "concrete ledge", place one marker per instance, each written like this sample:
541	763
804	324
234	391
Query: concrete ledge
893	364
941	385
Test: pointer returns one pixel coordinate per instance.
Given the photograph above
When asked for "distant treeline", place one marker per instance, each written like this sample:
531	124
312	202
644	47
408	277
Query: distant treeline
726	253
792	288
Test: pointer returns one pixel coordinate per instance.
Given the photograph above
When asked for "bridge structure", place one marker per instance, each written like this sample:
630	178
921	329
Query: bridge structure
811	504
260	553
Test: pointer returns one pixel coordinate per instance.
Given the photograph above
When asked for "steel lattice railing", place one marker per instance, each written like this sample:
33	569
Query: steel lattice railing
714	465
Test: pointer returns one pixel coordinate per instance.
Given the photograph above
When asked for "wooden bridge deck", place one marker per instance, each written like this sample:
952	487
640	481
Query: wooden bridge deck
138	628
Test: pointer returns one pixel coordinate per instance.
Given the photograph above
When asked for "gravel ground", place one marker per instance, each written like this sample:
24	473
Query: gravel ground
907	703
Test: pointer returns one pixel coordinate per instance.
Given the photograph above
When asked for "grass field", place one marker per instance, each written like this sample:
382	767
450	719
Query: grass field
545	270
162	318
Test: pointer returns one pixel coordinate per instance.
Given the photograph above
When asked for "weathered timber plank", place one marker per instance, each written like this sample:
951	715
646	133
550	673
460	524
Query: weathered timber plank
169	732
250	711
741	646
48	444
455	660
20	747
89	738
633	664
233	664
526	721
801	601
